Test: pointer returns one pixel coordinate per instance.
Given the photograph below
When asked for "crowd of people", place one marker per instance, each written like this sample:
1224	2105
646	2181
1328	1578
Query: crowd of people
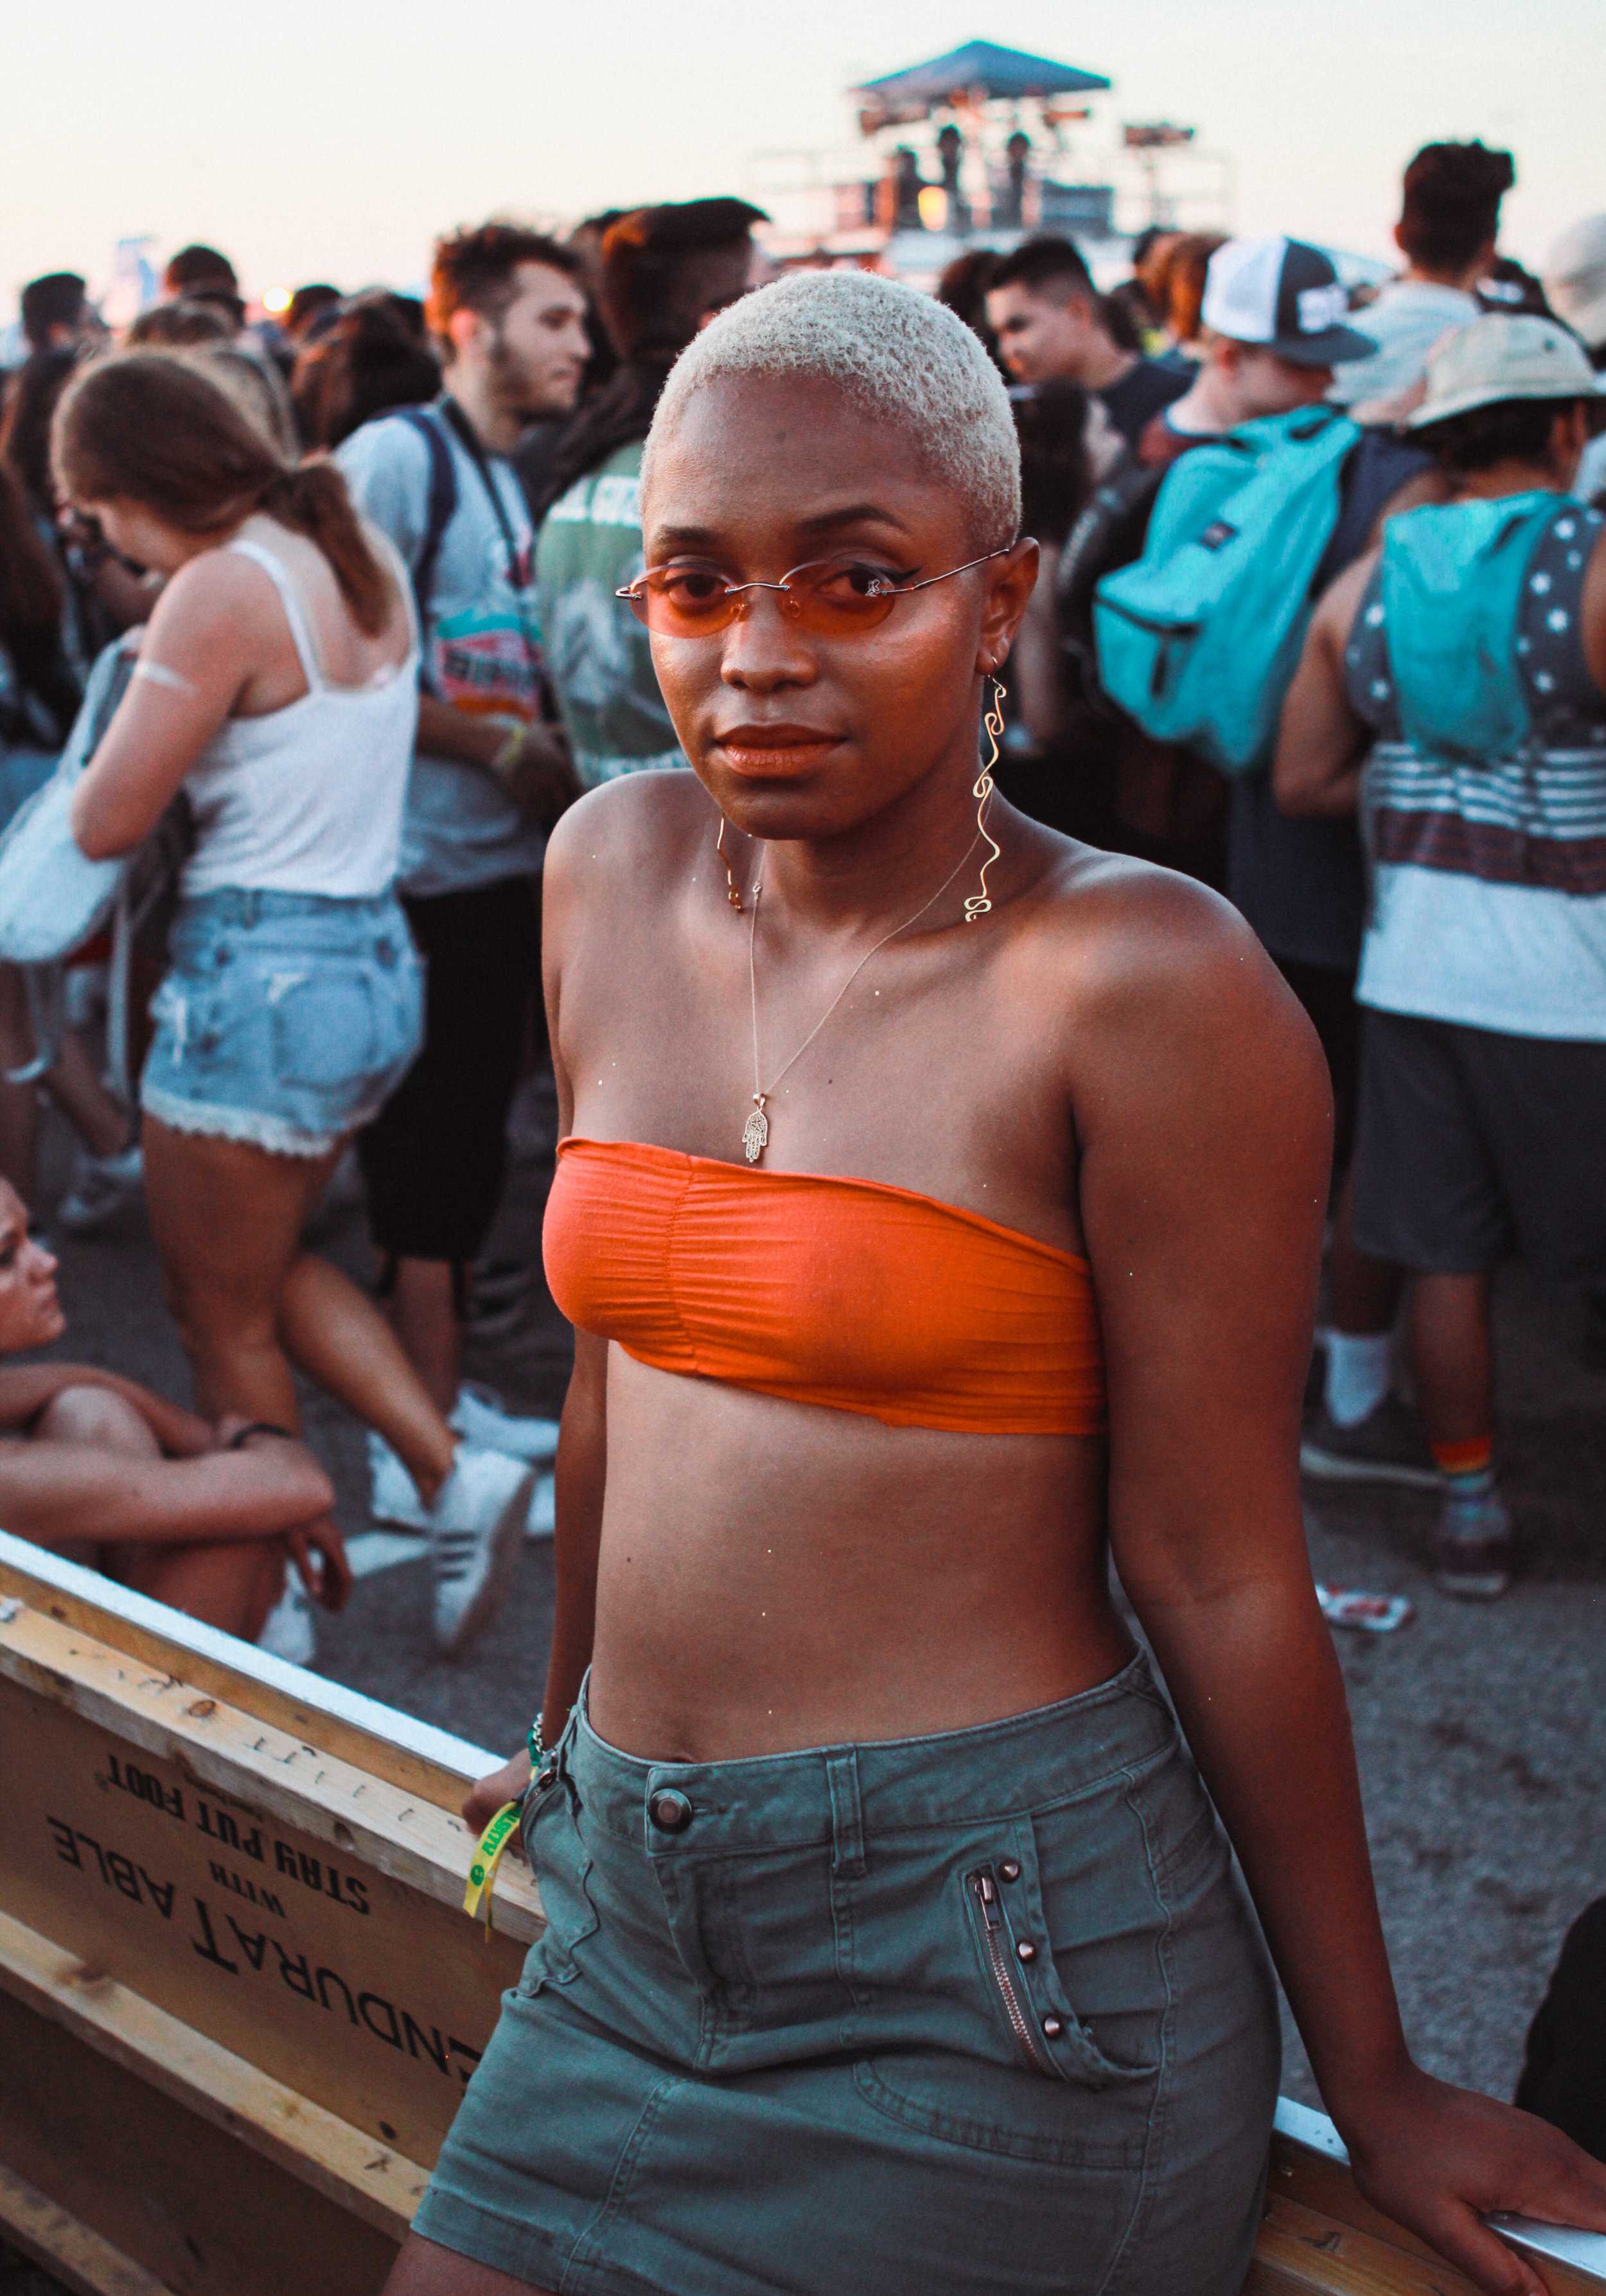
364	631
1468	382
369	563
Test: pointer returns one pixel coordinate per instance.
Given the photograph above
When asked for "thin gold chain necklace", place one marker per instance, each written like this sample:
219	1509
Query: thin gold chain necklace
755	1132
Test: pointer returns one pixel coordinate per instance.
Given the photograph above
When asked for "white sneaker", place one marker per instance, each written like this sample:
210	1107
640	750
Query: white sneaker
393	1498
481	1418
101	1186
542	1519
476	1528
392	1495
287	1630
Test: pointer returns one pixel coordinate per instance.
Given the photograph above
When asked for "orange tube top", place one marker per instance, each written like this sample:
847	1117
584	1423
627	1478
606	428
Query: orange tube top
844	1293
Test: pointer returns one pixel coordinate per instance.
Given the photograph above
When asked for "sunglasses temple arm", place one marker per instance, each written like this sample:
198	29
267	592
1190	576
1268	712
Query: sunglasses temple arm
986	559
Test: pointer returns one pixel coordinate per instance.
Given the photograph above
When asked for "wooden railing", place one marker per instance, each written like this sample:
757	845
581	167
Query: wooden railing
239	1998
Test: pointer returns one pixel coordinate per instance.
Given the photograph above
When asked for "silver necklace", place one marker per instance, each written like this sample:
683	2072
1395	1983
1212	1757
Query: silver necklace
755	1132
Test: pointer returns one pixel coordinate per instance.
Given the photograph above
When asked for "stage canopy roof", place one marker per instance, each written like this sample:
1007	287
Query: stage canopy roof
978	68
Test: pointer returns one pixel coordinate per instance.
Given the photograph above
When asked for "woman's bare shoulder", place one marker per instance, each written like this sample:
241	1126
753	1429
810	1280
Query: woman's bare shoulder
217	598
1153	965
641	825
1120	918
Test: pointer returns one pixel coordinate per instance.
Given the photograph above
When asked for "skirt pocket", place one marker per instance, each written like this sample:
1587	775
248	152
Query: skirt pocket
976	2038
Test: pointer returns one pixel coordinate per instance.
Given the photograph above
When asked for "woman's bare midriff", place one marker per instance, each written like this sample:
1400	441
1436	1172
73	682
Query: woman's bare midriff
774	1575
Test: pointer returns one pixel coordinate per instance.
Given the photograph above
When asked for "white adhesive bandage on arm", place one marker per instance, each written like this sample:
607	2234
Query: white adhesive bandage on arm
160	674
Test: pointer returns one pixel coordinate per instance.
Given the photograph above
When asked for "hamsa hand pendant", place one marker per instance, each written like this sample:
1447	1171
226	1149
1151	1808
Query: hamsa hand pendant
755	1134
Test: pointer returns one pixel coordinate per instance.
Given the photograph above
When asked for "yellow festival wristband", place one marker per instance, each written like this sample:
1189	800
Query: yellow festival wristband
488	1856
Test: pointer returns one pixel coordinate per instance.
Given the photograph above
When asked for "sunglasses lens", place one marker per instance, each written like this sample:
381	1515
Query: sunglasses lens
684	601
832	599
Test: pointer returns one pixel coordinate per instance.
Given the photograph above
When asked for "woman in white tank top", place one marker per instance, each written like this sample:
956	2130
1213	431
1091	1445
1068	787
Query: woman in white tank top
277	685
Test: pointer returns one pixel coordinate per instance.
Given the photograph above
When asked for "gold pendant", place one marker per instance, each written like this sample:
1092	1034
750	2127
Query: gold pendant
755	1132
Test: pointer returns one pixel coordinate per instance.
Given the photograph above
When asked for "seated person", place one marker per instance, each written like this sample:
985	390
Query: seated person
101	1470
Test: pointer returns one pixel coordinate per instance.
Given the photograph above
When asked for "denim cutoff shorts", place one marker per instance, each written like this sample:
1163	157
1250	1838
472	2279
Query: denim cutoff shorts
985	2012
285	1019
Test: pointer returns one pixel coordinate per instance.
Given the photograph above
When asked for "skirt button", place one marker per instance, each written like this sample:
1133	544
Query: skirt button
1009	1869
1026	1950
670	1812
1052	2027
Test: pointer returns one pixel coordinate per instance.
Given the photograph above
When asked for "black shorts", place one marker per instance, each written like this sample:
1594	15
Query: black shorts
435	1157
1471	1145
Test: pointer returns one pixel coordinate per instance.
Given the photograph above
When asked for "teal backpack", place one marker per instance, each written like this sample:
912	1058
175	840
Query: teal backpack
1452	591
1198	639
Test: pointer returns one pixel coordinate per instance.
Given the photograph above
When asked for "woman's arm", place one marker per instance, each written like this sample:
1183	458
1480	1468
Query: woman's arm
581	1470
26	1388
1204	1116
1321	743
200	642
583	1435
56	1493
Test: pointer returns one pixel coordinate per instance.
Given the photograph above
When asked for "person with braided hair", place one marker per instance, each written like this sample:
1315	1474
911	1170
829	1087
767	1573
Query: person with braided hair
277	685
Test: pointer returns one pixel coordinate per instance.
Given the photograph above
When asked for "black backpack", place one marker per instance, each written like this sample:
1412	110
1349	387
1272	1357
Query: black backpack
1108	534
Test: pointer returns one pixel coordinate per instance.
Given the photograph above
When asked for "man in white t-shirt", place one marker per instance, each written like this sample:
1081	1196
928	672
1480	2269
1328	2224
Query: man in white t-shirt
1448	224
491	771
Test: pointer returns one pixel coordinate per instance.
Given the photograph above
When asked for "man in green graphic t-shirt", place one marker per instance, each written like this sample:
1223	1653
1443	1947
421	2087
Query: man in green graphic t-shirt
664	272
598	655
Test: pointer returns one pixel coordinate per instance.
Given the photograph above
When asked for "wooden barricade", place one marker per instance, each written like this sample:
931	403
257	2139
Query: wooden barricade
239	1996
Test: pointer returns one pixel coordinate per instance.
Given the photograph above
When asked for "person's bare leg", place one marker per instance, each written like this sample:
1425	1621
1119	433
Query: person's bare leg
1364	1296
425	2268
1452	1358
227	1220
102	1122
231	1585
334	1333
422	1309
1365	1291
19	1103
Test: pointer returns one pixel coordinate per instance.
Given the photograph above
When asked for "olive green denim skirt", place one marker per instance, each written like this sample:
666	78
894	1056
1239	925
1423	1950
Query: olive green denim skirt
984	2013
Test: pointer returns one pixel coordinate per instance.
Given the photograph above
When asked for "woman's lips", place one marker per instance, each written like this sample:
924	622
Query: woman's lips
773	749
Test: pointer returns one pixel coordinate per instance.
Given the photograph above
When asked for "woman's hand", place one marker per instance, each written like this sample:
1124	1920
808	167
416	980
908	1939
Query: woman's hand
482	1802
1436	2158
537	773
318	1551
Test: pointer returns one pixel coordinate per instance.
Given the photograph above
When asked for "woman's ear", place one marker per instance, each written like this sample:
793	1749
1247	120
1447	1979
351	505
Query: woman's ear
1010	580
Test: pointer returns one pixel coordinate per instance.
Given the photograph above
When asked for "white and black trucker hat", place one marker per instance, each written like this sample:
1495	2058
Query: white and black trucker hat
1284	294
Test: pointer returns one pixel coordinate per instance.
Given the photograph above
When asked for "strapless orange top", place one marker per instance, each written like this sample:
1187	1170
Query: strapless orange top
844	1293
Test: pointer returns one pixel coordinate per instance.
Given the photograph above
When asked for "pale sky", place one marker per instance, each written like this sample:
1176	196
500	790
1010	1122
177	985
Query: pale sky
322	138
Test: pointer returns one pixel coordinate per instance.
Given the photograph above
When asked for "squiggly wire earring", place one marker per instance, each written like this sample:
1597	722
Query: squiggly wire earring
977	905
733	895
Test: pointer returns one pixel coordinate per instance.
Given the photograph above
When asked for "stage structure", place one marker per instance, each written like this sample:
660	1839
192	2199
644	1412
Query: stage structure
975	149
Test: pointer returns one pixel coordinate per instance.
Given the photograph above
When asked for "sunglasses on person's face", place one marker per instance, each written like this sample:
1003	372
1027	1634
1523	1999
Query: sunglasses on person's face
831	597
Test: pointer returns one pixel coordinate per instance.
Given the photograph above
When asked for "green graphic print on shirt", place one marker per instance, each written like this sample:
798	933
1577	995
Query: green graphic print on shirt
597	653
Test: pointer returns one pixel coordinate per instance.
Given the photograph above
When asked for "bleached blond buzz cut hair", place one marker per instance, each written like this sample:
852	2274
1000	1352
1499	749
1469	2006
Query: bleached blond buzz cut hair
897	354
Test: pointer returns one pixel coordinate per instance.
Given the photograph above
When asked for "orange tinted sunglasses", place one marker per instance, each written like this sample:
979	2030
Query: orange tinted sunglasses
831	597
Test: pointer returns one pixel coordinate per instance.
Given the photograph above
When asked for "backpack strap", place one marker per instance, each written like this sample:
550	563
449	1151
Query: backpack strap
438	511
1108	534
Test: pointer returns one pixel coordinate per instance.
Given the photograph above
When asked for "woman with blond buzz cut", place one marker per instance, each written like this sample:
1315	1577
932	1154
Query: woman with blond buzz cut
939	1207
